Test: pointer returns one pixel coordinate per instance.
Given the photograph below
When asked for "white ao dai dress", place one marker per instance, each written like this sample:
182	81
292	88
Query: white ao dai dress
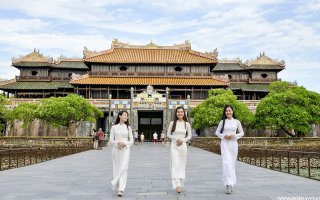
120	158
229	149
179	153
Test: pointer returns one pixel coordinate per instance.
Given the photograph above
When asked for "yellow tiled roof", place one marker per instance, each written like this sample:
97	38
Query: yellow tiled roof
167	56
150	81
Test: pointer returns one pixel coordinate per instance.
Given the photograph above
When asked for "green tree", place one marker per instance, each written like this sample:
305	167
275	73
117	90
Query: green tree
4	111
288	107
67	111
278	87
25	112
209	112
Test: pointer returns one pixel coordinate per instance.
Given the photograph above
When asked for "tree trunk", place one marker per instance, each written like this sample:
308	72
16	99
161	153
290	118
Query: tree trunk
72	129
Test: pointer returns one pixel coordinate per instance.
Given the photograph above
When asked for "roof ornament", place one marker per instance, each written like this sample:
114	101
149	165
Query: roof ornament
87	53
117	44
213	54
224	78
235	60
151	45
35	56
186	45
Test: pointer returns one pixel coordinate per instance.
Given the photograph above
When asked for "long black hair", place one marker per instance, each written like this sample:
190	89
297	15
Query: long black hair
118	118
176	118
224	116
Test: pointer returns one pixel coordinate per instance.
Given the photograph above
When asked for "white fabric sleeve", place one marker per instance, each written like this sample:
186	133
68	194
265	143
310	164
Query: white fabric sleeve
189	134
169	133
130	142
240	129
218	130
112	136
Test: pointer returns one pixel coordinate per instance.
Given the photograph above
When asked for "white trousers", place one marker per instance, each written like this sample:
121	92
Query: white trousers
229	154
120	159
178	164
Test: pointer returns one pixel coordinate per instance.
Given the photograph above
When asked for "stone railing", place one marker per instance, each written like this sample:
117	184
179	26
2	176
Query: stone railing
105	102
28	142
22	151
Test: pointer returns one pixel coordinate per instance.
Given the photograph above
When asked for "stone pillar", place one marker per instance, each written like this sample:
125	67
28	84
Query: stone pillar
131	107
188	107
135	120
167	120
8	128
164	119
314	131
109	113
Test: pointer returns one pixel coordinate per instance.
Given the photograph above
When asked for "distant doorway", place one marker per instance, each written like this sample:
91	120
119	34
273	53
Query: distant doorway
102	122
149	122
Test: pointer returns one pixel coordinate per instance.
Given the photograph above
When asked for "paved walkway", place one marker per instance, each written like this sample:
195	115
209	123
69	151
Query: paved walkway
87	175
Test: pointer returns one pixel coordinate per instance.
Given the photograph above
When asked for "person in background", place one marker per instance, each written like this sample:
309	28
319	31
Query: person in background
94	138
100	135
162	138
142	138
154	138
136	136
229	131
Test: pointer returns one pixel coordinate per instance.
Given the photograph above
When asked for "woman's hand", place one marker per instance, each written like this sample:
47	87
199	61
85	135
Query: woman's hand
179	142
121	145
227	137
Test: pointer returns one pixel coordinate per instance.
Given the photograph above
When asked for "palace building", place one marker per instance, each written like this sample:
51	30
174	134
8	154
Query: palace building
149	81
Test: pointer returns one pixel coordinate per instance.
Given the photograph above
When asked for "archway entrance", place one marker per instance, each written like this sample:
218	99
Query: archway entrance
150	121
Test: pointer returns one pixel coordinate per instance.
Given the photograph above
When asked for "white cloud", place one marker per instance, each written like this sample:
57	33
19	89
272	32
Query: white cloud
8	26
236	27
308	6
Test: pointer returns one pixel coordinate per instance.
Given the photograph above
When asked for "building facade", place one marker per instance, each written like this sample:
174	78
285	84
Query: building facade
149	81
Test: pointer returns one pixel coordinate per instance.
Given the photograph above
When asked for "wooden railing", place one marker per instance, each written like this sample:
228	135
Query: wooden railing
42	78
261	80
141	74
33	78
61	78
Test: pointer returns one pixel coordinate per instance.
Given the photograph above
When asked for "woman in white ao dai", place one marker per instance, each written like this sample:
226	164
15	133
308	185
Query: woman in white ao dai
229	131
179	131
121	139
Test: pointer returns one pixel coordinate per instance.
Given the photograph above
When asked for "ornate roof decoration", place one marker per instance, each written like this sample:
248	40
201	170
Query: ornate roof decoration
151	53
226	60
116	44
35	56
213	54
223	78
77	77
151	45
229	65
208	81
69	63
262	59
87	53
66	59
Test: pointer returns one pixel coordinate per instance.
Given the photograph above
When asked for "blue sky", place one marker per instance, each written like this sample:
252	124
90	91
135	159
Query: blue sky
284	29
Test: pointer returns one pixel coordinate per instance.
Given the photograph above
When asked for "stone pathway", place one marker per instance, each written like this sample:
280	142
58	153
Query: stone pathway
87	175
